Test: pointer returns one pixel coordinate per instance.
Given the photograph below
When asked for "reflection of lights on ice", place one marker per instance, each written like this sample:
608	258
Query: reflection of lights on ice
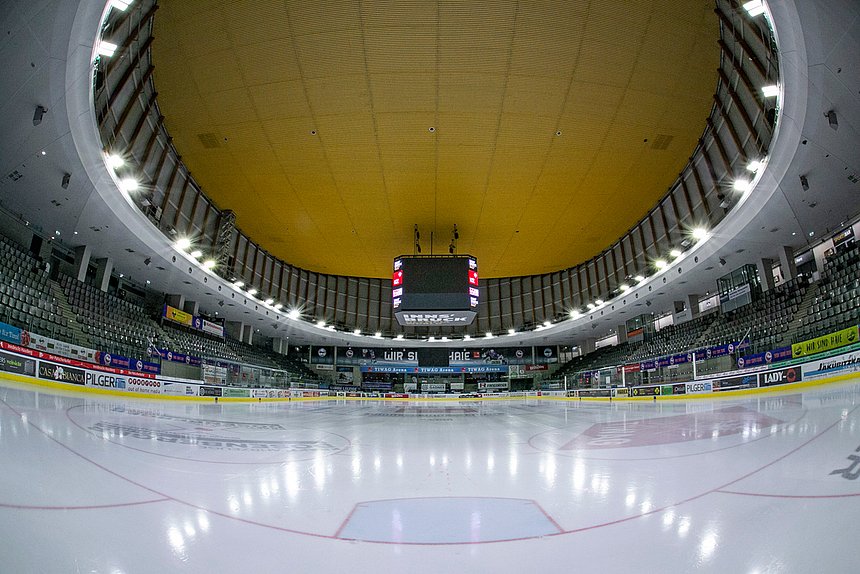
233	504
174	538
683	526
630	500
203	521
708	545
475	525
668	518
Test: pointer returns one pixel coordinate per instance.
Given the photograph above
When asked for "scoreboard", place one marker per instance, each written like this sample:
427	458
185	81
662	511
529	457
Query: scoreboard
435	290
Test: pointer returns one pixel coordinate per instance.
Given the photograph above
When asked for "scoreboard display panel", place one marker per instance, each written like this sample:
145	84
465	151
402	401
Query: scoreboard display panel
435	289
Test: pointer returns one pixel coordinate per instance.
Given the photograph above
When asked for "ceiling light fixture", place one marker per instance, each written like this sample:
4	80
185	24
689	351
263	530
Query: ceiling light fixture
755	165
660	264
252	291
115	161
512	331
294	314
574	314
357	332
210	263
639	278
278	306
742	185
675	253
321	324
106	49
196	254
269	301
183	243
129	184
488	335
754	8
699	233
770	91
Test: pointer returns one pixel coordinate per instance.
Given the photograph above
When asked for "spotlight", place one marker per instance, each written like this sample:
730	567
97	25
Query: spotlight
831	119
294	314
278	306
183	243
770	91
804	183
196	254
675	253
660	264
700	233
754	8
741	185
40	112
269	301
67	177
512	331
115	161
210	264
252	291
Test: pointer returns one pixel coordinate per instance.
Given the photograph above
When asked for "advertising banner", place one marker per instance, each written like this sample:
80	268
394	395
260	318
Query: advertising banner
546	354
236	392
433	387
105	381
10	333
497	386
55	347
735	383
146	386
18	365
825	343
766	358
696	388
205	391
594	393
118	361
211	328
345	376
179	389
645	391
531	368
322	355
839	365
358	356
780	377
175	357
61	373
178	316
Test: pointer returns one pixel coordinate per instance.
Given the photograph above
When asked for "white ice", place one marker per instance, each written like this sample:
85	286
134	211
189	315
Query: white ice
769	483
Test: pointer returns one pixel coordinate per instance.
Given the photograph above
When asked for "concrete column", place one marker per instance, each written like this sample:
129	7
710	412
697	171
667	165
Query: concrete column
280	345
104	267
588	346
621	330
693	305
233	329
192	307
247	334
765	273
177	301
786	263
82	261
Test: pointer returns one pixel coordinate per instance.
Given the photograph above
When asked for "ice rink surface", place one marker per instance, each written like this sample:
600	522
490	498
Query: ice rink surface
768	483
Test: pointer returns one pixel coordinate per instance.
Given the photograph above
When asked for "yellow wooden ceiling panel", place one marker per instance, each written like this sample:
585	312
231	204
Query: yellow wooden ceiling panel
269	61
495	80
401	49
251	21
330	54
280	100
401	92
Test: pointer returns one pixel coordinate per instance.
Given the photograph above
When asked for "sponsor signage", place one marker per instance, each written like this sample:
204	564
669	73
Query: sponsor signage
118	361
105	381
425	319
178	316
546	354
825	343
734	383
645	391
322	355
838	365
212	328
696	388
433	387
62	373
18	365
843	236
632	368
780	377
530	368
205	391
10	333
179	389
146	386
498	386
594	393
766	358
434	370
174	357
235	393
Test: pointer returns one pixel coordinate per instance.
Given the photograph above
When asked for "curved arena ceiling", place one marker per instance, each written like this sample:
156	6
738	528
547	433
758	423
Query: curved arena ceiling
555	125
